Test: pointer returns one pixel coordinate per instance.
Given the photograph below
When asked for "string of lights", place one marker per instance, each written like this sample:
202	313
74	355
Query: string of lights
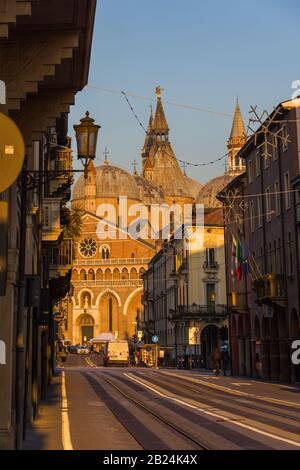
181	161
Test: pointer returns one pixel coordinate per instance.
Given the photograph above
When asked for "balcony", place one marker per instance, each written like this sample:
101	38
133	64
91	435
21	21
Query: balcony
60	259
51	219
211	312
270	289
107	283
237	302
111	261
211	267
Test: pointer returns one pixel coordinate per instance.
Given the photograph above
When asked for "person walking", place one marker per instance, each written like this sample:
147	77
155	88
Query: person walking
216	359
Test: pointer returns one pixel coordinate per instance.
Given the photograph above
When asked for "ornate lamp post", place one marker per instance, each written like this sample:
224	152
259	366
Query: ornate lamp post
86	137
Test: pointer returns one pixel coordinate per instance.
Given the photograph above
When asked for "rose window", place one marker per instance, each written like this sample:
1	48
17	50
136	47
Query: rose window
88	247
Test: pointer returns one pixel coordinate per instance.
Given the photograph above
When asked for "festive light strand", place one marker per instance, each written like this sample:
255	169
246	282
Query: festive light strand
178	159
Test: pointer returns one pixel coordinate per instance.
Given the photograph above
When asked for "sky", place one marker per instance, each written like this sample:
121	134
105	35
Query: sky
203	54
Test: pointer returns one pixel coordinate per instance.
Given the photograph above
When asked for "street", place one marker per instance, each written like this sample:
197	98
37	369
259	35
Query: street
92	407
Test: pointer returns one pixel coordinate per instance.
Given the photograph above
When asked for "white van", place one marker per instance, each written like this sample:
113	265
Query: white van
116	352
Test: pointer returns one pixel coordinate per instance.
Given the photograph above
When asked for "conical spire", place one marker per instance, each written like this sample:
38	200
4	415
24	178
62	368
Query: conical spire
238	127
149	136
160	125
237	139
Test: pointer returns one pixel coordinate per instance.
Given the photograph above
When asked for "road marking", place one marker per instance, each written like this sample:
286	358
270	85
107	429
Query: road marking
215	415
237	392
240	384
65	424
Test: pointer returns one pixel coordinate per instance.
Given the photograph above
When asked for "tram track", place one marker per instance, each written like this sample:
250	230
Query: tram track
228	400
199	445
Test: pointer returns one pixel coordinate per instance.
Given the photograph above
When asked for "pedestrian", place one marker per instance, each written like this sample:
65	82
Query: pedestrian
216	359
258	366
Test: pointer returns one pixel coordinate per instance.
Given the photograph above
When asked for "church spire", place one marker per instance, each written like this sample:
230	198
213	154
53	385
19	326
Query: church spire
160	126
238	127
237	139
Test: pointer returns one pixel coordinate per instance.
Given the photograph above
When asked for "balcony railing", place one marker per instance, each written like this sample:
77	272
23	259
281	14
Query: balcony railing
111	261
216	311
106	283
211	266
270	289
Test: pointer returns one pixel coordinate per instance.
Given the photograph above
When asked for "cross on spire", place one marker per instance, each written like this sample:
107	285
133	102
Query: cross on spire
134	164
106	153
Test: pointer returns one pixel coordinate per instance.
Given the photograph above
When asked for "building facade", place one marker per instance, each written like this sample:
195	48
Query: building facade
107	284
262	249
184	288
44	60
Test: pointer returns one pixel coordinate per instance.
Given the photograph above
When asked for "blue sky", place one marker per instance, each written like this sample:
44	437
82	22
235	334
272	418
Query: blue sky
203	54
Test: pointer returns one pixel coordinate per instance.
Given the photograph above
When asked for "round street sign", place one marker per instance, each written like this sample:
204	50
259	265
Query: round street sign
154	338
12	152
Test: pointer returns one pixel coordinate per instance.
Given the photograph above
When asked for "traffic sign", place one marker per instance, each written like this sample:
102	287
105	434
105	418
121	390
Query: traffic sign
12	152
154	338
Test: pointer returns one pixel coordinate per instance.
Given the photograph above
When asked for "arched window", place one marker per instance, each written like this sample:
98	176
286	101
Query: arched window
133	273
125	274
105	252
75	275
91	275
116	274
99	275
82	275
108	275
141	272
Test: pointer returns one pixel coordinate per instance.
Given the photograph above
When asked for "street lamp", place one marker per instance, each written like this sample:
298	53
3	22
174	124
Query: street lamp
86	137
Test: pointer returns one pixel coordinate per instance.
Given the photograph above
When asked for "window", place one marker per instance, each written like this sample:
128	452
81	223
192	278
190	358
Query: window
259	211
210	257
250	174
257	163
88	247
252	221
277	198
268	205
105	252
287	194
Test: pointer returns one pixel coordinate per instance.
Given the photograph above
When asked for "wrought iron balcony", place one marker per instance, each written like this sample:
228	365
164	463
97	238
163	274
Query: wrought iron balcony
211	267
213	312
270	289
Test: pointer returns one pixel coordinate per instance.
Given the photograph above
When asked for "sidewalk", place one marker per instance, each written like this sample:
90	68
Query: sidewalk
45	432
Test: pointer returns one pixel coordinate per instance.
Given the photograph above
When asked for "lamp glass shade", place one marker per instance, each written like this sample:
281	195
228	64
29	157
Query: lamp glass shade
86	137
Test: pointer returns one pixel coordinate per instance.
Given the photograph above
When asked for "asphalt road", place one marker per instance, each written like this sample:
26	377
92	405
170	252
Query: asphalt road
166	409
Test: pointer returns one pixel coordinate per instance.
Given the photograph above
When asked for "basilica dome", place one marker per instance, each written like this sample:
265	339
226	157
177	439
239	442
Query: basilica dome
149	193
111	182
194	186
207	195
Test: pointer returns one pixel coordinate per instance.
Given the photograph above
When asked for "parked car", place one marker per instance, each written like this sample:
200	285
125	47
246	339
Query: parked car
82	349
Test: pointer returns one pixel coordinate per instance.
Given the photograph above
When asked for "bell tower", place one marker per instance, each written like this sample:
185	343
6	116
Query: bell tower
236	141
90	189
